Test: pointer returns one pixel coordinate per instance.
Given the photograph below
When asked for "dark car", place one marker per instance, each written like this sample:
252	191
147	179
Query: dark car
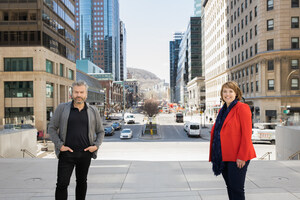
109	130
179	117
116	126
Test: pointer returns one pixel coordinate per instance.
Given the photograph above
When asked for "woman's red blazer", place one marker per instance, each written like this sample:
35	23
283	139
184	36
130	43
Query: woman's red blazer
236	134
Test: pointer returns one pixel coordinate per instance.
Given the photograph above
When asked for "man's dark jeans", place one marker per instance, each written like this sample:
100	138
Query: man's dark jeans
66	163
235	180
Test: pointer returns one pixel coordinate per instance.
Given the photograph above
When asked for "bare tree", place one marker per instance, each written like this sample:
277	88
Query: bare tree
151	107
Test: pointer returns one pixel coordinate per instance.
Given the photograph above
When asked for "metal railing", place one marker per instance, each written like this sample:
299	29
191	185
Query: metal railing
265	155
25	151
295	155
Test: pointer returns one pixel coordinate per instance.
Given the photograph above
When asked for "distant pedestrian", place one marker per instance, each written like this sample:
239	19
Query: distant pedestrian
77	132
231	148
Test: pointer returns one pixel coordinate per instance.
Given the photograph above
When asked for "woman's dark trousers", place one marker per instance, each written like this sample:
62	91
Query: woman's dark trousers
235	180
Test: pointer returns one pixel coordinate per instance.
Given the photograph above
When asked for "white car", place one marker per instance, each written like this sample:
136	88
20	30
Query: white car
129	118
192	129
126	133
264	132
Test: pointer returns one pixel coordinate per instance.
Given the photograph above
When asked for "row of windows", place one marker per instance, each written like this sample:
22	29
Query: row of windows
50	66
18	112
243	56
18	64
270	4
294	23
294	64
245	72
60	12
245	87
294	43
236	14
21	89
294	84
58	48
56	26
18	89
240	41
242	5
18	15
14	38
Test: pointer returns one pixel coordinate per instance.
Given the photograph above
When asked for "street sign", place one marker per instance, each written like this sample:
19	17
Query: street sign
286	111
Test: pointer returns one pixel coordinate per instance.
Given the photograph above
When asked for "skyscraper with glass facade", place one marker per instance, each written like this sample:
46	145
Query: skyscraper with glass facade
98	34
197	8
174	55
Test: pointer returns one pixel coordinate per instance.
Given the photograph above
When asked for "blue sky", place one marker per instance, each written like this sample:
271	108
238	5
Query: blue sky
150	25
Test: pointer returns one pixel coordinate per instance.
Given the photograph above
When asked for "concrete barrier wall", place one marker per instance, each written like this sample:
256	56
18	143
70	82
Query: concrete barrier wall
287	141
11	143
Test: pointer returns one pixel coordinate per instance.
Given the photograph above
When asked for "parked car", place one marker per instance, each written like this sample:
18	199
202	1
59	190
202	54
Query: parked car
109	131
264	132
9	126
116	126
126	133
26	126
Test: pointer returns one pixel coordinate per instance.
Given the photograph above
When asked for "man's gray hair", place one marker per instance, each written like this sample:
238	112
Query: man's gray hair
80	83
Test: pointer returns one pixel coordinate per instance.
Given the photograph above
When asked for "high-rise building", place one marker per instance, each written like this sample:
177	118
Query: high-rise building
37	59
197	8
263	56
215	56
260	42
174	56
98	34
123	67
189	62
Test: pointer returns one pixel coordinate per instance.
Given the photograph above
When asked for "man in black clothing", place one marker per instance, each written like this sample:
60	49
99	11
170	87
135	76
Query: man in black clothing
76	130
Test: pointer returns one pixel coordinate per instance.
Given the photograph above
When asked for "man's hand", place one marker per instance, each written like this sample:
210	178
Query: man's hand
91	149
240	163
65	148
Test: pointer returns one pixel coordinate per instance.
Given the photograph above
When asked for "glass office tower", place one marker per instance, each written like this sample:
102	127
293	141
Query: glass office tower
98	34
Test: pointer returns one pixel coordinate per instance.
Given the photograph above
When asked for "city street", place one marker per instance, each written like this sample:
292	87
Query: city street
172	145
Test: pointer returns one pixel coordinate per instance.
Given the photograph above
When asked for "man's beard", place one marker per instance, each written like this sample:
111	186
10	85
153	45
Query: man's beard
78	102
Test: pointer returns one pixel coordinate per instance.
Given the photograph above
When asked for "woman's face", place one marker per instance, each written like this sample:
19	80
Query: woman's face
228	95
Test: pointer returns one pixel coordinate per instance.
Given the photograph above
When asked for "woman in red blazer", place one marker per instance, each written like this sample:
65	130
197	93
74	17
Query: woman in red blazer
231	148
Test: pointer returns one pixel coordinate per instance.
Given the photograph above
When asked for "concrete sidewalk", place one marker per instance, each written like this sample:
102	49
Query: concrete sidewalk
24	179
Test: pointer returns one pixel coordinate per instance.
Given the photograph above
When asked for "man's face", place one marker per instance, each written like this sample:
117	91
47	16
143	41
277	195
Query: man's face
79	94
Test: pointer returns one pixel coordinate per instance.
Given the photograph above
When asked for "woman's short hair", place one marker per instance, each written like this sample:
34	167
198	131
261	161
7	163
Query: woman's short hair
234	86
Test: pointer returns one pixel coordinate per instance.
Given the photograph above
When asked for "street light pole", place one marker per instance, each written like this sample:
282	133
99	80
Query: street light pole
286	89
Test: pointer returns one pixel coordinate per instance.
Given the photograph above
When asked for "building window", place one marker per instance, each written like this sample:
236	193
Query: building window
243	88
49	90
295	22
270	65
247	87
270	24
18	112
251	51
247	71
18	64
49	66
256	86
255	29
295	3
295	43
255	49
270	4
294	84
256	68
251	86
295	64
250	33
250	16
251	69
255	11
61	70
271	84
246	20
18	89
71	74
270	45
